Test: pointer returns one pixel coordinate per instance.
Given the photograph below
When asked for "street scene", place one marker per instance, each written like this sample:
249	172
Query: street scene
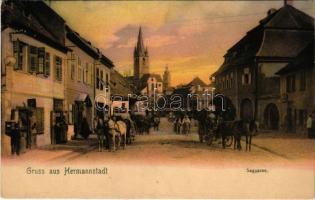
166	147
186	85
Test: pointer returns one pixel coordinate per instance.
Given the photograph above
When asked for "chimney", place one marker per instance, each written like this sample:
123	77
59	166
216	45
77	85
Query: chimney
271	11
288	2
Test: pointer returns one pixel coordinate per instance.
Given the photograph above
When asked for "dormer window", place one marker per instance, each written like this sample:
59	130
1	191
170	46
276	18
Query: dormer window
246	77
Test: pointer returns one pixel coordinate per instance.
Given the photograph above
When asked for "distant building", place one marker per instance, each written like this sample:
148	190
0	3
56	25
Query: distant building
248	75
144	82
193	94
141	58
121	89
166	80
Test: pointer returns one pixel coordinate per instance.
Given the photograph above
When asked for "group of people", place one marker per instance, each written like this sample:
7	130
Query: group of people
22	132
182	124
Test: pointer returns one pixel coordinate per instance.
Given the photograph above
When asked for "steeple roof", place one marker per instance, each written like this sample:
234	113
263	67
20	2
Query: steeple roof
140	50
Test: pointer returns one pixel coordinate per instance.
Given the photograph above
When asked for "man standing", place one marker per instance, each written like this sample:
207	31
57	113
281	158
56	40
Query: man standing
309	126
32	139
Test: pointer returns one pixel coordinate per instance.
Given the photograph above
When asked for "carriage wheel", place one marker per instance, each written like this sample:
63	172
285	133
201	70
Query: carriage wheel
228	141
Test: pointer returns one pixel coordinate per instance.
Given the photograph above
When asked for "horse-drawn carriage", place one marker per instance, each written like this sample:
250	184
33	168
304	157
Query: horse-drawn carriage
212	130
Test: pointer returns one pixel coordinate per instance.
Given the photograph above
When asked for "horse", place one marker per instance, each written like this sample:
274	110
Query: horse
121	128
246	128
186	126
130	130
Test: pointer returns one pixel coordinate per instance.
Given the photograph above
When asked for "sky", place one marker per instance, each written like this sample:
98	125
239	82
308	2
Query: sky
190	37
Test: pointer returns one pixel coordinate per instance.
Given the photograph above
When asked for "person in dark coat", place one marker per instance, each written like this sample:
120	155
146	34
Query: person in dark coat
106	132
15	139
85	128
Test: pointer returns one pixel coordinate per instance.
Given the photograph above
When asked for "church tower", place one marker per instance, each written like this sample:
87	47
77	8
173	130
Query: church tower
141	58
166	79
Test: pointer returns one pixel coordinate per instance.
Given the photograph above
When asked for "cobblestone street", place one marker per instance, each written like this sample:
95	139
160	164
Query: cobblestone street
165	147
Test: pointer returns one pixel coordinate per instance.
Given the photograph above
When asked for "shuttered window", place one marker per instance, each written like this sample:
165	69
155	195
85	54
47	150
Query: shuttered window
72	73
58	68
102	85
47	64
41	61
18	54
33	60
97	78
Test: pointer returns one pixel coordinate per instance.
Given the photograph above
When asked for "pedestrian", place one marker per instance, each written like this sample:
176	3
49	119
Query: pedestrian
309	122
33	131
15	139
106	132
100	133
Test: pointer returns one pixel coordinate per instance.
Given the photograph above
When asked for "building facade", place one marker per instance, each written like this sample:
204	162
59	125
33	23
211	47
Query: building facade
248	75
33	67
50	74
87	78
297	90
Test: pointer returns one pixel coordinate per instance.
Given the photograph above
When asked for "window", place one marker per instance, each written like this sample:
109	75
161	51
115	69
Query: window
58	68
302	81
97	78
246	77
41	61
72	71
290	80
47	64
33	59
18	54
101	85
79	74
79	61
107	81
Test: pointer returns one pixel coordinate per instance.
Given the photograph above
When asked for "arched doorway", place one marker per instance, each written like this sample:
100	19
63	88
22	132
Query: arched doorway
271	116
247	109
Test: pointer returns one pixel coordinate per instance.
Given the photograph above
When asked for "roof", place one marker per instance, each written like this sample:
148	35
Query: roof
184	91
87	47
288	17
144	79
197	81
119	84
303	61
281	34
285	44
35	19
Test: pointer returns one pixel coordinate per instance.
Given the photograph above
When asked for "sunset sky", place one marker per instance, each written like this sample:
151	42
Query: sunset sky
190	37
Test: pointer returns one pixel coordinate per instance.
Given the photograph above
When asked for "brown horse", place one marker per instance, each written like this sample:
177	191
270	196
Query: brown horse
245	128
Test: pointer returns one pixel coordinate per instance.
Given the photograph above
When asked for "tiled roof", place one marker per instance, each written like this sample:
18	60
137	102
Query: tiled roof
196	81
32	17
282	34
304	60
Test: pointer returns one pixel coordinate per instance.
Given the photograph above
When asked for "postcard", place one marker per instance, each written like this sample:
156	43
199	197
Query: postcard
158	99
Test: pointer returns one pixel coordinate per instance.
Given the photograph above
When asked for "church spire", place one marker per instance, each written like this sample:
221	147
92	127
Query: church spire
140	45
